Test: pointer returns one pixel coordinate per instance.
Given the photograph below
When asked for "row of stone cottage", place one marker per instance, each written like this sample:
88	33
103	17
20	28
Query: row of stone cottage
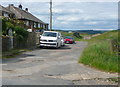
25	16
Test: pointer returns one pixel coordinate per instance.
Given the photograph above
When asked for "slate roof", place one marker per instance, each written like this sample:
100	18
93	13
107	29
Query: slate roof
22	14
4	9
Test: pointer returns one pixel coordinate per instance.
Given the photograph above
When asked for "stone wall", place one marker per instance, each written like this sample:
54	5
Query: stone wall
5	43
31	42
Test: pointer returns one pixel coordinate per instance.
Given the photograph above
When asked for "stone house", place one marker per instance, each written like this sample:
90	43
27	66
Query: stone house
30	21
5	12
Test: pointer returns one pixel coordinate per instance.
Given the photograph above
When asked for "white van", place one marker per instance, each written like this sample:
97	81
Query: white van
51	39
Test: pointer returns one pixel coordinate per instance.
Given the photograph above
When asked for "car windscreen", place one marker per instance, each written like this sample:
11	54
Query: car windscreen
49	34
69	38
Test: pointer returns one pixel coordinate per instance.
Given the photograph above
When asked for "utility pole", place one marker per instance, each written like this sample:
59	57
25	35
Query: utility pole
50	15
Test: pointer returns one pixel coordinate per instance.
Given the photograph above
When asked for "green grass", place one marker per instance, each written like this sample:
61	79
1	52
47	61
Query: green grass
114	79
98	54
71	34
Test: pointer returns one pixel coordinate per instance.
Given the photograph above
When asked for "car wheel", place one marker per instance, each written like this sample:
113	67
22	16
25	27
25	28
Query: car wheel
57	46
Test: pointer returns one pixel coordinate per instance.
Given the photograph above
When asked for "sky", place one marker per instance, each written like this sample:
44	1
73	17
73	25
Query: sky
71	15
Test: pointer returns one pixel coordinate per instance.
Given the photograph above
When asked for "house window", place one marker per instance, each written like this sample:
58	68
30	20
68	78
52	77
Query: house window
27	23
35	25
44	26
5	14
39	25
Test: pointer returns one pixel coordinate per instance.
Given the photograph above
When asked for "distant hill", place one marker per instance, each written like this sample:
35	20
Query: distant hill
84	31
90	31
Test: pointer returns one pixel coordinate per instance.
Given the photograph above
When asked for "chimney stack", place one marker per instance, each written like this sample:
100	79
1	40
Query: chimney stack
11	4
20	6
26	9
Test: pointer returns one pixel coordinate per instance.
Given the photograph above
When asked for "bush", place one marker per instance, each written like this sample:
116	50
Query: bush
6	24
9	26
20	33
4	27
76	34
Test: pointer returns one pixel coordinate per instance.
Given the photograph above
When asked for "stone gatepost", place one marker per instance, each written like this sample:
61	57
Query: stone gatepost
10	33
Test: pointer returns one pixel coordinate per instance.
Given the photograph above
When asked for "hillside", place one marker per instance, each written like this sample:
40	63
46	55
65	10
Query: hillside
84	31
102	52
81	35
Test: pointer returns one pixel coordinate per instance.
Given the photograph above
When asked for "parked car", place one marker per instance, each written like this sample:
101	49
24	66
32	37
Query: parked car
51	39
69	40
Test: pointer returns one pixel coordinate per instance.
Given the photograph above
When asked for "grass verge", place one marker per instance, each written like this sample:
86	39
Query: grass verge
98	54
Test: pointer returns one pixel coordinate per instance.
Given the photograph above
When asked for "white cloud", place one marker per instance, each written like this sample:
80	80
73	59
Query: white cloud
38	11
55	10
91	23
64	22
67	11
107	16
76	11
73	19
75	14
68	18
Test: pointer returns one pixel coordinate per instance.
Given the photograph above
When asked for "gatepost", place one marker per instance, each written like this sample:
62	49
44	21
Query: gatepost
10	33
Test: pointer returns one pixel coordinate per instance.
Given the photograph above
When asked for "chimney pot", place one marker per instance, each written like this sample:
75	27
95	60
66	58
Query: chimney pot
11	4
20	6
26	9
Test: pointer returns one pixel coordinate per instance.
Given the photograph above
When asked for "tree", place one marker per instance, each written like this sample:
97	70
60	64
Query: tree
4	26
77	34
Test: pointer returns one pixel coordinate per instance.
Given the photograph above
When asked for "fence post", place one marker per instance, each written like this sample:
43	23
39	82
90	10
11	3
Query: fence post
111	46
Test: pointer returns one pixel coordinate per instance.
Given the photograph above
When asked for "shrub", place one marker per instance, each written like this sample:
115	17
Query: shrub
9	25
76	34
6	24
4	27
20	33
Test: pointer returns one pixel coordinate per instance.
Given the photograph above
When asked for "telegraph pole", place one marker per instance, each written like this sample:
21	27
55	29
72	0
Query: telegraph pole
50	15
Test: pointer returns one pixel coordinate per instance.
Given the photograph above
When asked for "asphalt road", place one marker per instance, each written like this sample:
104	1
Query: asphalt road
49	66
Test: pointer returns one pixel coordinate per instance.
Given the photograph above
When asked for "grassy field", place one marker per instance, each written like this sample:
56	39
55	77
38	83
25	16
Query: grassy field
71	34
98	52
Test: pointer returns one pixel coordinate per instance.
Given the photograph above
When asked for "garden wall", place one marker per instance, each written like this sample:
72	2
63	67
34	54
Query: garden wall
31	42
5	43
